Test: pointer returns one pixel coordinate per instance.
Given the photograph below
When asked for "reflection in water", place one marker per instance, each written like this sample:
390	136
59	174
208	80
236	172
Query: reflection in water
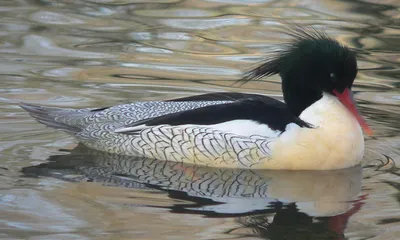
292	199
290	223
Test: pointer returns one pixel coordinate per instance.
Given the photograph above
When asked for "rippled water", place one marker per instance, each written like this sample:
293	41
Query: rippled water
77	53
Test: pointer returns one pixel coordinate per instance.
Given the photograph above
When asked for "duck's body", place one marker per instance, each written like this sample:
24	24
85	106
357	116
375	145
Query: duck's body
316	129
325	130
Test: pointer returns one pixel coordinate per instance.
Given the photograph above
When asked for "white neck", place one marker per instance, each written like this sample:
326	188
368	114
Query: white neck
329	111
334	141
336	123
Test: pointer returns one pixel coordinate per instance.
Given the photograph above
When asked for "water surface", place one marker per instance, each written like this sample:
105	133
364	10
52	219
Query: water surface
76	53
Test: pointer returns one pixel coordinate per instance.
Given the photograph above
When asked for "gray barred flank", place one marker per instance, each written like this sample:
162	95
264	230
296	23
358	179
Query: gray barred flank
201	145
191	144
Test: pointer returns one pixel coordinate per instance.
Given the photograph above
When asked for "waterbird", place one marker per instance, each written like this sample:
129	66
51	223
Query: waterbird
317	127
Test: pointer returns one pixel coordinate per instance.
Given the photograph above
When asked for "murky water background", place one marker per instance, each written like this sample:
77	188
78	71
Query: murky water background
77	53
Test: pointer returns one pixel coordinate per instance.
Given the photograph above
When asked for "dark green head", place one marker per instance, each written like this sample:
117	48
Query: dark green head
311	64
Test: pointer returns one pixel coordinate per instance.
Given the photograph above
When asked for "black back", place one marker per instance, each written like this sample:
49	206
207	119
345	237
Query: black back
258	108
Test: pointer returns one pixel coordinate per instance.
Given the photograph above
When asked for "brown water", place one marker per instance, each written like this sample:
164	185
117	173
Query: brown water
77	53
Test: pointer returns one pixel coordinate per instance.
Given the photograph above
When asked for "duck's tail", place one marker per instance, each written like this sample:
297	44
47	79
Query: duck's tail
52	117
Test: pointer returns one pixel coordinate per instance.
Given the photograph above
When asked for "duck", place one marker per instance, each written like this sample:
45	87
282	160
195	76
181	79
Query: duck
317	127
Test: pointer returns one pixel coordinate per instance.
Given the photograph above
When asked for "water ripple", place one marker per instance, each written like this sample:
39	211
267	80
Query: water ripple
203	24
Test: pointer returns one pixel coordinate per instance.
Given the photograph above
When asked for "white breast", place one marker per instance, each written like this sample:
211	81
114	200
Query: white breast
335	142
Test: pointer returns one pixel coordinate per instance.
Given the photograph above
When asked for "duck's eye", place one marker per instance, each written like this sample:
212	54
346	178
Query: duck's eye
333	77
